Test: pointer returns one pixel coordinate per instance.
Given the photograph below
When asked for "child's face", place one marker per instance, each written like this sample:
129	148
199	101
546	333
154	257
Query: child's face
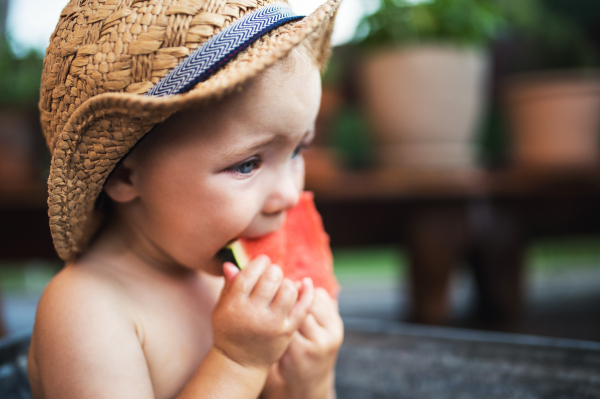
230	170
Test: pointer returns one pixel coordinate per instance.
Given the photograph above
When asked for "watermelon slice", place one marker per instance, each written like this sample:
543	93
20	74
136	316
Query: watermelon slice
300	247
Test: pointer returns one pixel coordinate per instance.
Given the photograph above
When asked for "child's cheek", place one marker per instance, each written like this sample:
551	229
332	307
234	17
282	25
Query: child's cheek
299	172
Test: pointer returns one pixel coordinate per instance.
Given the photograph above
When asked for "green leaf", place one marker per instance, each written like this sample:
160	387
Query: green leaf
19	77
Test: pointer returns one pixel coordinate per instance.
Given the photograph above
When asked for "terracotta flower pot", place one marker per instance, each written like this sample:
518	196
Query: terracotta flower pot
555	119
425	104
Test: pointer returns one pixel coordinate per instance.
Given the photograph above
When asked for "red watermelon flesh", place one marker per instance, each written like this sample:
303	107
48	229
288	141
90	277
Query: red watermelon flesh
300	247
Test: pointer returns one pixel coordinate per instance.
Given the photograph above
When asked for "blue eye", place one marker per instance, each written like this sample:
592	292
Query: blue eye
246	167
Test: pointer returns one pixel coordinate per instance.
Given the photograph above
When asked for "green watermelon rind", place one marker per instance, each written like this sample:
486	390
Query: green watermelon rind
234	253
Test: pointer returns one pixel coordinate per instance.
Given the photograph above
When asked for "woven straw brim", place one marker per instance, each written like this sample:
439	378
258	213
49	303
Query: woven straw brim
105	127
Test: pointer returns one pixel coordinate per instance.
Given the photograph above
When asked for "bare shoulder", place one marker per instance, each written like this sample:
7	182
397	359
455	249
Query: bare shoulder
79	300
83	324
77	288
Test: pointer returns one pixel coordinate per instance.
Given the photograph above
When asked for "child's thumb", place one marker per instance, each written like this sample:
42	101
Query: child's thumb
230	271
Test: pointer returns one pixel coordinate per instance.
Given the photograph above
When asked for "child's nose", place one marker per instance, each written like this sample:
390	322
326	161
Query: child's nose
284	196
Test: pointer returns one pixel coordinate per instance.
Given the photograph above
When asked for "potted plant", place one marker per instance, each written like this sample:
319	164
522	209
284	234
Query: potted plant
425	79
553	91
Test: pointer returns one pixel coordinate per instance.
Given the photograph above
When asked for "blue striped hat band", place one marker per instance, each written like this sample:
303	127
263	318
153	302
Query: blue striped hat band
222	48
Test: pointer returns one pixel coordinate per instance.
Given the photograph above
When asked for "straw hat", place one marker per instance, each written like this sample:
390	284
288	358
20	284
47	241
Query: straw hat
104	59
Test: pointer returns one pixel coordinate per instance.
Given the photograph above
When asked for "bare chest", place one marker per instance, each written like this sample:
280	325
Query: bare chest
176	333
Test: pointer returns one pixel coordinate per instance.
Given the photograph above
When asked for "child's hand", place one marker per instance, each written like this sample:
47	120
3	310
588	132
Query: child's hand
307	366
258	313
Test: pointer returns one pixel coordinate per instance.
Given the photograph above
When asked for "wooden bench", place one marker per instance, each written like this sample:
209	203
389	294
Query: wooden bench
484	219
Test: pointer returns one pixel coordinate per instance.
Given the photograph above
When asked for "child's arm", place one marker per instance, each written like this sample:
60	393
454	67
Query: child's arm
306	370
86	345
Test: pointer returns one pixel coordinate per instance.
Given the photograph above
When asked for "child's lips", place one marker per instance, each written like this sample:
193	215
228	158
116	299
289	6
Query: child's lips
274	223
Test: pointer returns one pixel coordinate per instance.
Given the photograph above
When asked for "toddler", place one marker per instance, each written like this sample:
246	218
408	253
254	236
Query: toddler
143	307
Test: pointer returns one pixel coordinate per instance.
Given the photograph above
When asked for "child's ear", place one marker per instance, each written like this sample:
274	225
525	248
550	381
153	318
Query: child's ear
120	186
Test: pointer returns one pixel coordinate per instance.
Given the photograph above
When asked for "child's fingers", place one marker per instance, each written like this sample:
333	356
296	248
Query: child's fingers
310	329
304	302
297	348
230	271
324	309
247	278
285	298
327	316
267	285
